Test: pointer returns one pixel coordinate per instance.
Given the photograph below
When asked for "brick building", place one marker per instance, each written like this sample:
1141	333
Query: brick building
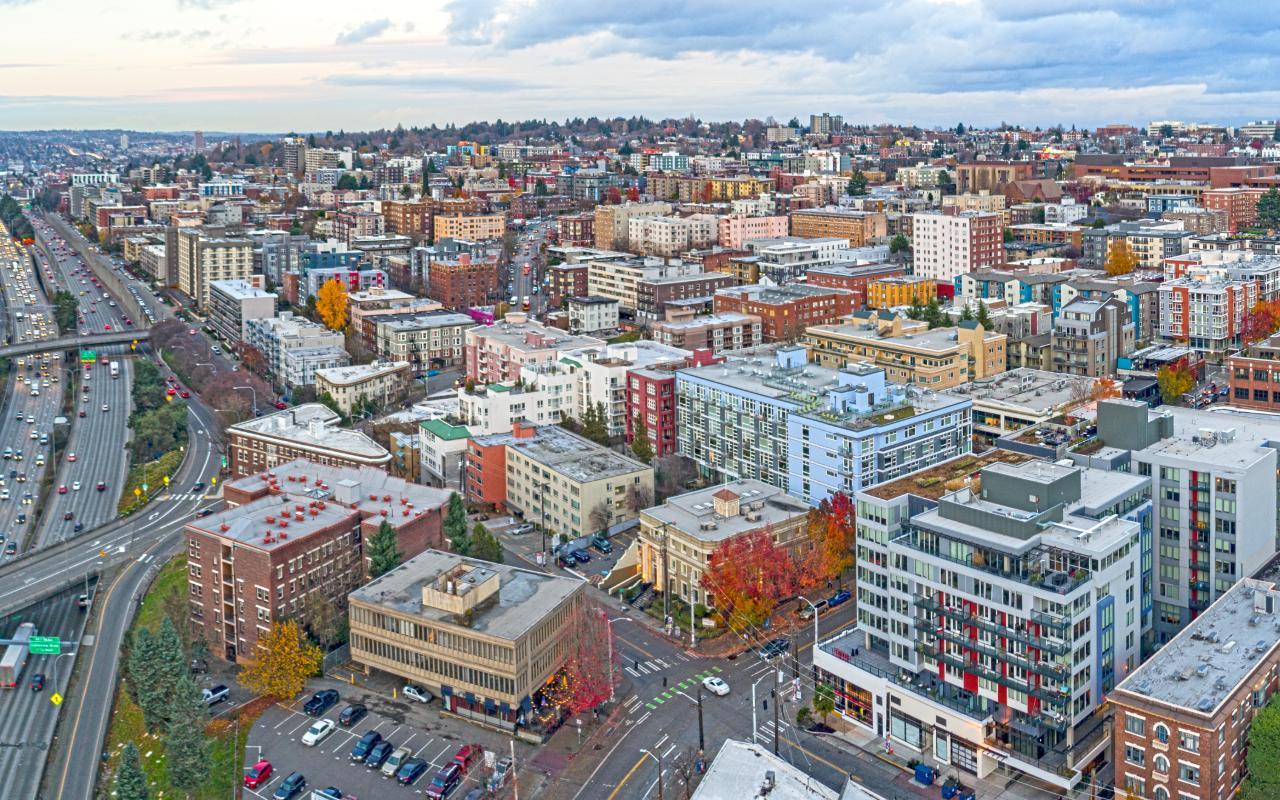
292	538
1254	375
853	278
406	217
727	330
991	176
860	228
464	282
785	311
1239	203
577	230
566	280
307	431
947	245
473	227
655	295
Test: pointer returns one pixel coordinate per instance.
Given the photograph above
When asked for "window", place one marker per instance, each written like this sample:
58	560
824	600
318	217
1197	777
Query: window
1188	773
1189	741
1135	755
1161	793
1160	763
1162	732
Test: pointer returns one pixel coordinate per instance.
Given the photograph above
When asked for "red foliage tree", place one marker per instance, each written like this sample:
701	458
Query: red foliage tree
633	194
748	576
1261	321
831	529
613	196
584	682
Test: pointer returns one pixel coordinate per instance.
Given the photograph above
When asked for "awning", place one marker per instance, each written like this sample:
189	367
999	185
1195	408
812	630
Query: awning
525	705
471	698
490	707
446	690
504	707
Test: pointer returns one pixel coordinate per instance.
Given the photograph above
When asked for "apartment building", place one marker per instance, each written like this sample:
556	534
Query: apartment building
1089	336
295	347
656	296
488	639
380	305
1141	298
619	278
498	352
566	280
472	227
1206	311
996	613
291	540
611	226
785	312
406	217
858	228
1213	485
576	230
1182	719
987	201
709	189
1253	375
900	290
715	332
651	397
911	353
947	245
1150	242
592	315
464	282
231	303
204	256
1239	203
789	258
309	431
559	480
770	416
427	340
855	277
668	237
546	395
382	382
991	176
735	230
678	538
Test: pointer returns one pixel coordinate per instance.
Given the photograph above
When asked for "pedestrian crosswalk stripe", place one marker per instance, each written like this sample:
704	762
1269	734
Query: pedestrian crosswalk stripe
650	706
716	669
659	700
633	673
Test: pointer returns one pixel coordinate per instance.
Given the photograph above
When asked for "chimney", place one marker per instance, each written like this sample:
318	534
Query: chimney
522	429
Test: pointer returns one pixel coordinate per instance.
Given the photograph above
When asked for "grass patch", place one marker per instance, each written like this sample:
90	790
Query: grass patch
152	473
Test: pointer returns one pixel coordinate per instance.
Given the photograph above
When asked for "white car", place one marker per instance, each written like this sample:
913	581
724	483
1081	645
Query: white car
716	686
418	693
75	486
316	733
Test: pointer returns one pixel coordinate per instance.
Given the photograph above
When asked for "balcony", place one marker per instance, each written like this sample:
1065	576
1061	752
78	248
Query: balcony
1054	697
1048	669
1017	633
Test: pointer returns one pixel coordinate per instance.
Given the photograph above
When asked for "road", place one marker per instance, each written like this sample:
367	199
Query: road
529	251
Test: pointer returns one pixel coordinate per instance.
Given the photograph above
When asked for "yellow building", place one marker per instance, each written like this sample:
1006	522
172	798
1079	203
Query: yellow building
937	359
472	227
900	290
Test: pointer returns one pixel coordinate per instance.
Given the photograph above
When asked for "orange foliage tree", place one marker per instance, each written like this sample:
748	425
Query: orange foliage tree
748	576
1261	321
831	529
331	304
585	680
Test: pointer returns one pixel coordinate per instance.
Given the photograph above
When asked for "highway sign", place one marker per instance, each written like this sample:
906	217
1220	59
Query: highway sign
88	356
137	492
166	480
145	487
56	699
45	645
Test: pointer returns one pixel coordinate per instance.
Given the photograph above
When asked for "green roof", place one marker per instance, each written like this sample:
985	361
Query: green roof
571	362
498	387
446	431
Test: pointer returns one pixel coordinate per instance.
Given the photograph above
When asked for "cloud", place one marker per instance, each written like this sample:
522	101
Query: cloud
432	83
206	5
169	35
364	31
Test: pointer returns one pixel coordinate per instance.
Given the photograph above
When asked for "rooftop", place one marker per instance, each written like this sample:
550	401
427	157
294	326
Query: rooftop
239	290
517	332
417	320
694	513
524	597
709	320
742	770
1201	667
576	458
312	424
932	482
258	523
937	340
443	429
360	372
1027	389
1250	436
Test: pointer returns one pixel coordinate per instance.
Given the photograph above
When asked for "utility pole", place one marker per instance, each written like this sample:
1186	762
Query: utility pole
666	578
795	658
515	784
701	743
777	733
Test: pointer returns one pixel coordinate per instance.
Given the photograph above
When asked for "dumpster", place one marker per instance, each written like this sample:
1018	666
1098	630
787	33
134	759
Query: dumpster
924	774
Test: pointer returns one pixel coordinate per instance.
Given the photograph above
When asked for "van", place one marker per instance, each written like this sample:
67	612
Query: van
215	695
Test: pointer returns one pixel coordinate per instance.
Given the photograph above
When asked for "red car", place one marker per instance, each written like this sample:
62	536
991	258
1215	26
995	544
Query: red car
258	774
172	391
102	486
281	405
107	327
467	755
184	394
62	489
82	413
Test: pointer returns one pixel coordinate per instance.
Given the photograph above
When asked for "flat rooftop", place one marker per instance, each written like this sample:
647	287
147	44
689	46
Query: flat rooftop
688	512
248	524
739	771
524	597
709	320
937	340
417	320
1254	434
312	424
568	454
931	482
1202	666
240	290
360	372
1024	388
513	334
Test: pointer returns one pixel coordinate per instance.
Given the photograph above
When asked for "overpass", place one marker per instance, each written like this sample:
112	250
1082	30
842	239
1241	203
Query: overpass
75	342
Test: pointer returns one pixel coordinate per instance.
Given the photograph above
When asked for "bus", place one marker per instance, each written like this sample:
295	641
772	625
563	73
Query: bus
15	656
115	369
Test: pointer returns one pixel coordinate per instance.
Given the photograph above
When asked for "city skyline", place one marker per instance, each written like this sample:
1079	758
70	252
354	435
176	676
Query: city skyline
217	64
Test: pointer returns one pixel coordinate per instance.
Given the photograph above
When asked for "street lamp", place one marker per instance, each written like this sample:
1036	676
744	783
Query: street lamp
610	622
542	510
815	621
255	397
657	758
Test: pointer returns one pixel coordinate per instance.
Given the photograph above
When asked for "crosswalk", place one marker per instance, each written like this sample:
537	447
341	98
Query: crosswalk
638	668
766	732
186	496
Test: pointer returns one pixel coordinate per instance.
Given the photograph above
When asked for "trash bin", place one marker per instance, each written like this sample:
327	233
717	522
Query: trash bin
924	774
966	793
948	791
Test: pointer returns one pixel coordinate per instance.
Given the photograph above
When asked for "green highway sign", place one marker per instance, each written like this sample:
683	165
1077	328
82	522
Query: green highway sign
88	356
45	645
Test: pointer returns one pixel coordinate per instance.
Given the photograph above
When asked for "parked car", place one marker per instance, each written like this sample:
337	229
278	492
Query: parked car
467	756
394	761
290	786
317	732
806	611
774	648
320	702
379	754
366	743
565	561
839	597
419	693
602	543
258	774
581	555
215	695
445	781
520	530
352	714
411	770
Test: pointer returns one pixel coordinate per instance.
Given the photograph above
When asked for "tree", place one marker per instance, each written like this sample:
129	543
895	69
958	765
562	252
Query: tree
383	550
282	663
1166	131
586	679
455	525
639	497
960	129
65	310
824	701
899	244
1269	209
325	622
600	518
131	781
1175	380
185	746
540	188
484	545
1261	321
983	318
156	665
857	185
748	575
641	447
331	304
1263	758
1121	260
595	423
347	182
966	313
252	359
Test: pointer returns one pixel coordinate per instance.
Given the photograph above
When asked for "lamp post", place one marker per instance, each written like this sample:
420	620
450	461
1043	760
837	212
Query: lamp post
815	621
542	512
610	621
254	392
657	758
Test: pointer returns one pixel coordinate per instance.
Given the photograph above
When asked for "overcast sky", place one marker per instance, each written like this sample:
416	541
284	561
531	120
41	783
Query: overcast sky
278	65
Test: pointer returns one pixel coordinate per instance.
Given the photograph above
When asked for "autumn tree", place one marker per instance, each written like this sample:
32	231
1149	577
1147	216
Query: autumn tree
1261	321
131	781
383	550
1175	380
1121	260
331	304
748	576
588	674
252	359
1104	389
282	662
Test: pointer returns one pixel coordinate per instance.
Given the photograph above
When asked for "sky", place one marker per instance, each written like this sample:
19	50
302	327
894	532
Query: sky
282	65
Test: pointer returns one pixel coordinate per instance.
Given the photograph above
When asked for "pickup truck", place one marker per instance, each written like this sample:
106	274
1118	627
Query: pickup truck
215	695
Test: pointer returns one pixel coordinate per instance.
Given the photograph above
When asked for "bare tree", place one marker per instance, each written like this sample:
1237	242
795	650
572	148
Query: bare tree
601	517
672	473
639	497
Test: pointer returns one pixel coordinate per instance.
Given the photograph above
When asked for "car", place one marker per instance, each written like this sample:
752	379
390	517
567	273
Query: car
467	755
378	754
807	611
444	782
258	774
411	770
106	327
394	761
83	413
581	555
191	331
68	516
602	543
521	530
419	693
565	561
82	601
329	792
352	714
37	682
839	597
716	686
106	407
293	784
320	702
774	648
62	488
71	457
79	526
102	486
366	743
184	394
198	487
31	420
172	391
10	547
75	486
317	732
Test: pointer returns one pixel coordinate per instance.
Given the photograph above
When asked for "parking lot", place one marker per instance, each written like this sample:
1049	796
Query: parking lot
525	546
277	737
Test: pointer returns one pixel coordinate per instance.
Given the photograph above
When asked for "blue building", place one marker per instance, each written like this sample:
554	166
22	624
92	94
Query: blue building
1012	287
771	416
1160	203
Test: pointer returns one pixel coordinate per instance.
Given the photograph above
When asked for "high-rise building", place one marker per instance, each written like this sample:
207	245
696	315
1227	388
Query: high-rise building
295	154
825	124
197	141
948	245
206	255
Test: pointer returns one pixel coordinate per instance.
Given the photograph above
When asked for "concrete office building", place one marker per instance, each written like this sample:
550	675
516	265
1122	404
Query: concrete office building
232	303
204	257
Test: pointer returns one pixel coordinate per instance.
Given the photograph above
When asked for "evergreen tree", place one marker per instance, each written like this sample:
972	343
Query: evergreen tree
966	314
484	545
382	550
143	671
640	445
131	781
857	185
186	748
1269	210
984	318
594	424
455	525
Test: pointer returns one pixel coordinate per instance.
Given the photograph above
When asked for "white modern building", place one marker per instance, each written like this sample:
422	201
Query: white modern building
295	347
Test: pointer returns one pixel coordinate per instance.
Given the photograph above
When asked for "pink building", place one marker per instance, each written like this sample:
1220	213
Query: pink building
737	229
498	352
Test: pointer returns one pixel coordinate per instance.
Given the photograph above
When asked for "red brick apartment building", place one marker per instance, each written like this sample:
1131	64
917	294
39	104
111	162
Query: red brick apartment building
1240	203
463	283
1253	374
1181	719
307	431
785	311
576	230
566	280
651	392
291	538
853	278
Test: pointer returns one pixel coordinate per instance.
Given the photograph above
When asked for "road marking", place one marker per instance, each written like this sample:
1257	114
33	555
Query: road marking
627	777
670	749
647	714
629	670
658	743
